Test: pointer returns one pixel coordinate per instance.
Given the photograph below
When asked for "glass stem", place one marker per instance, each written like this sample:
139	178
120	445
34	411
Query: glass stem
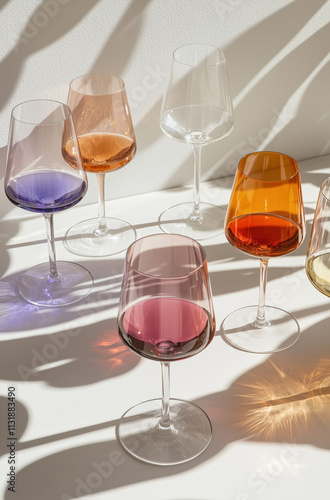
102	229
261	319
165	415
53	275
196	214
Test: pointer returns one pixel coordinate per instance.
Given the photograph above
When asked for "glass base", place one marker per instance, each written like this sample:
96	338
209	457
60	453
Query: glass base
187	437
74	283
280	332
82	239
178	220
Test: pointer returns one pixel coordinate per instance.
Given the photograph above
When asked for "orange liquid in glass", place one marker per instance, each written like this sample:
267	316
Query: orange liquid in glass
102	152
264	235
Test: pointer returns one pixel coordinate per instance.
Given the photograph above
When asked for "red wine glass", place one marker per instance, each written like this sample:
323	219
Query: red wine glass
165	314
106	138
38	179
265	218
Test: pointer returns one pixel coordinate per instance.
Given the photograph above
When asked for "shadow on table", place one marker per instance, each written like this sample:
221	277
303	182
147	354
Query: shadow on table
73	357
285	399
16	314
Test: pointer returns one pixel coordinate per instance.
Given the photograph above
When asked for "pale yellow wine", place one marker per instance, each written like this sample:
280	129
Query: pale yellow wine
318	271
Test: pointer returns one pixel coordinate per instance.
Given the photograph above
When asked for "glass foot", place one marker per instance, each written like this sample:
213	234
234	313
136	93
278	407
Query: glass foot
187	437
280	332
74	283
82	239
178	220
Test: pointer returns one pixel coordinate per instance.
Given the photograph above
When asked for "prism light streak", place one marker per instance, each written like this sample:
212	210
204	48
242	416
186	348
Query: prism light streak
283	403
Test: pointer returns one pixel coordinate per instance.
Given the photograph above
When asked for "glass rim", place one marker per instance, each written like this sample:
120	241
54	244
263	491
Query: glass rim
35	123
194	243
120	80
222	54
322	189
270	153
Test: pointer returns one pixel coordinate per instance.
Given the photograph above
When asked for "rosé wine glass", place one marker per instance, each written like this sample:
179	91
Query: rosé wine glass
165	314
38	179
106	138
265	218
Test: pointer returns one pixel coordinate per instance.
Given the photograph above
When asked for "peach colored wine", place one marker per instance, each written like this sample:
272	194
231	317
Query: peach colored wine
102	152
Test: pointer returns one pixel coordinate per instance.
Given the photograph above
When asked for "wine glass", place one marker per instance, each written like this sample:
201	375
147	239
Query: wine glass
318	254
165	314
265	218
106	140
38	179
196	109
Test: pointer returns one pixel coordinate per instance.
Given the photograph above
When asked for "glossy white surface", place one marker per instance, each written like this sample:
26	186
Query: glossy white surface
74	379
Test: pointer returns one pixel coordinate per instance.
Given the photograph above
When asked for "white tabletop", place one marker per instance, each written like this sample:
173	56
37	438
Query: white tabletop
74	379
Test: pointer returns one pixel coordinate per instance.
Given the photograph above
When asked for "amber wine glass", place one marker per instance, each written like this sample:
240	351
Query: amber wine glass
197	110
106	139
265	218
318	254
165	314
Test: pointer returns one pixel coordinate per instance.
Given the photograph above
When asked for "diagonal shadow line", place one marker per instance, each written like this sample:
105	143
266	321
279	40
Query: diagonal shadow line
11	66
290	24
289	28
3	4
288	21
295	74
33	39
130	22
24	445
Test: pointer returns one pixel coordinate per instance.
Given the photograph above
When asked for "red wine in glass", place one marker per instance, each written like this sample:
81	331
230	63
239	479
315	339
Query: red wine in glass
165	314
166	328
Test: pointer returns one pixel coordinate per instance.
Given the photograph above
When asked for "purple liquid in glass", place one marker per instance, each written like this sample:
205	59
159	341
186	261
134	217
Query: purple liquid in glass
45	191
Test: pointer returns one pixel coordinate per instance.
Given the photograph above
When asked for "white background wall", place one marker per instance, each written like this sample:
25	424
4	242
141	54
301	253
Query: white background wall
278	63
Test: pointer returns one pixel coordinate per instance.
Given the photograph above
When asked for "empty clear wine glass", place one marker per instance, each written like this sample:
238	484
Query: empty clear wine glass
165	314
38	179
106	138
196	109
